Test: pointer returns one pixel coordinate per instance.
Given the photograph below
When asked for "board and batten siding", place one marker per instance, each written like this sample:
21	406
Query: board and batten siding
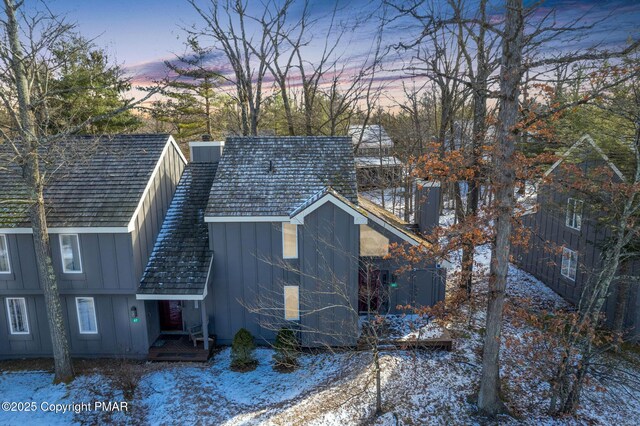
117	334
106	266
329	245
247	275
149	219
422	286
112	266
542	258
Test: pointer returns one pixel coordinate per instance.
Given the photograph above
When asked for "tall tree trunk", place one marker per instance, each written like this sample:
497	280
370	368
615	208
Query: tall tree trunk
621	306
479	82
287	107
31	174
489	400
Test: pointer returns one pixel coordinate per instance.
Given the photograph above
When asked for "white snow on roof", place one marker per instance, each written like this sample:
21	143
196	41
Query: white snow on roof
377	161
373	136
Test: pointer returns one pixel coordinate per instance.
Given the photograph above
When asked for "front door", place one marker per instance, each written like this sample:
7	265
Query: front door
369	289
170	315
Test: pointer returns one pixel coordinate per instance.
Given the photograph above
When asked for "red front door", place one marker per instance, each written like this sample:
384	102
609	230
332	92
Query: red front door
170	315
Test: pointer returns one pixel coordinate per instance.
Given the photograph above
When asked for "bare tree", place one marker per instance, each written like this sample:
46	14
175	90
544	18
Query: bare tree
27	68
504	179
229	26
330	307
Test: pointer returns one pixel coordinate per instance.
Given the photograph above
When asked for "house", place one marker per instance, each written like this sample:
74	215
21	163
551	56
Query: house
259	233
376	165
106	199
287	239
567	236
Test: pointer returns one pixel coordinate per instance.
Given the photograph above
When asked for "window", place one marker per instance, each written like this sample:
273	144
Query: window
70	252
291	303
86	315
17	311
4	255
289	241
569	263
373	243
574	213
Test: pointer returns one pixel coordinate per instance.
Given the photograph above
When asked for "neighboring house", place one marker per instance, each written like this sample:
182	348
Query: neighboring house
567	236
376	165
106	199
269	232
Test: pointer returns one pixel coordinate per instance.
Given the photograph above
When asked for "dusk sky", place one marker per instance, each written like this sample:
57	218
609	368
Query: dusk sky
140	34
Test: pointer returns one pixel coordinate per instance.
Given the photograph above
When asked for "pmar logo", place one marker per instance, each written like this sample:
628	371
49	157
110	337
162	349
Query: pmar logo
111	406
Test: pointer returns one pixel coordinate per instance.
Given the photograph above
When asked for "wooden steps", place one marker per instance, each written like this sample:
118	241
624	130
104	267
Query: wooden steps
173	347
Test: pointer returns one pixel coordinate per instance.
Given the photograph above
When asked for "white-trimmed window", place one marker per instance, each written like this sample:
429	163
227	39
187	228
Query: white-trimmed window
373	243
17	312
70	253
569	263
5	265
291	302
86	308
574	213
289	240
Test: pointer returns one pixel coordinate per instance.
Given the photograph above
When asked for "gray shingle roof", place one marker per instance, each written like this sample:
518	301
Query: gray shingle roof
273	176
92	181
180	259
373	136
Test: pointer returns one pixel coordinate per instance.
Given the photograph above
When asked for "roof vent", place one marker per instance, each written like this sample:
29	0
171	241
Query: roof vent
272	168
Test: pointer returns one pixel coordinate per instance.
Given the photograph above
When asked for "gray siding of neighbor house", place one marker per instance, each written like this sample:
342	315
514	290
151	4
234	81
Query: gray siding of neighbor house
117	335
420	287
249	273
106	266
548	224
112	266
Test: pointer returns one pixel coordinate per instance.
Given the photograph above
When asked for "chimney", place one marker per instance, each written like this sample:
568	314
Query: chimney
206	150
427	205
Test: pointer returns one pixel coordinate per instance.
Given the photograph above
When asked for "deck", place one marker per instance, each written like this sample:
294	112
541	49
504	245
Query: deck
444	342
178	347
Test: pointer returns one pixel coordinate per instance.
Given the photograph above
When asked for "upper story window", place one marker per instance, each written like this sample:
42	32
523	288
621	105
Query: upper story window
569	263
373	243
17	311
289	240
70	253
5	266
574	213
87	322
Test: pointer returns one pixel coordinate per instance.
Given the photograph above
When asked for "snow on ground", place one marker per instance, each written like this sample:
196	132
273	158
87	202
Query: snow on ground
408	327
418	387
393	200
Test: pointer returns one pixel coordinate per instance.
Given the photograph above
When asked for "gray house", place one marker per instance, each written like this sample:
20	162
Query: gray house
106	201
568	235
154	254
289	242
